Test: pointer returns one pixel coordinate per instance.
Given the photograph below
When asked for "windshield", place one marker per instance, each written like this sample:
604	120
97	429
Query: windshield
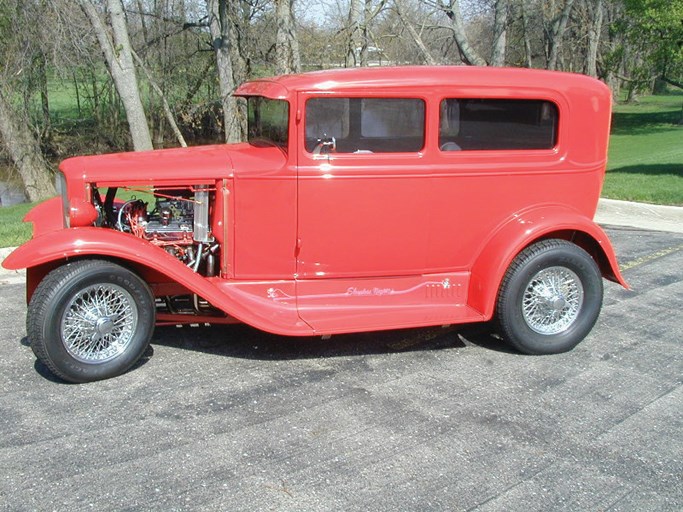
268	121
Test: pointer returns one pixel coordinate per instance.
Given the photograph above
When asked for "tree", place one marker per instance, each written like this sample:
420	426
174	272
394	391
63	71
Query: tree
119	58
595	11
223	25
355	33
417	38
452	9
660	24
478	23
499	33
556	34
164	102
18	51
24	150
287	44
361	15
524	17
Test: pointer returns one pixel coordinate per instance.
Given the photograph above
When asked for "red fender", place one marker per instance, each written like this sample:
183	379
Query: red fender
47	216
524	228
237	301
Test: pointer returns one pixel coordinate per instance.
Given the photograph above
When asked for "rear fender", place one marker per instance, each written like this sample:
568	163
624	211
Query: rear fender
526	228
52	249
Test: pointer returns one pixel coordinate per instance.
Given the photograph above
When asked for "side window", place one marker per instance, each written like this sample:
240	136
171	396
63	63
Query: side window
326	117
268	121
478	124
364	125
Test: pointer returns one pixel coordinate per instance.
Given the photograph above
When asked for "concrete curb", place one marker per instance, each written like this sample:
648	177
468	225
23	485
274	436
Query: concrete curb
4	252
640	215
610	211
10	276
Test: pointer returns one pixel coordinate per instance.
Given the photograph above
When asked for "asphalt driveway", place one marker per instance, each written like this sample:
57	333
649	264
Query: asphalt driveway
229	418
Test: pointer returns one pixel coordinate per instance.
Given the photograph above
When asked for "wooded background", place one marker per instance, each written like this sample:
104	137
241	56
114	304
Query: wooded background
87	76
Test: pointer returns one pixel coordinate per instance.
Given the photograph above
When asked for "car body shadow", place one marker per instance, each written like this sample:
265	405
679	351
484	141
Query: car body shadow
42	370
245	342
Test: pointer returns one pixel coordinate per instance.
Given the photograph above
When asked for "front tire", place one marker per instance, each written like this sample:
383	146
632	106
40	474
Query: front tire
90	320
550	298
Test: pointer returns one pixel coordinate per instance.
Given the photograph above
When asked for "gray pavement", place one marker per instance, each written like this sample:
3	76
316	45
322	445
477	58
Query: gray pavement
229	418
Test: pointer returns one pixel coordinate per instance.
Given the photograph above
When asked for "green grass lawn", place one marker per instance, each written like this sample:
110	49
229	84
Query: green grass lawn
646	152
13	232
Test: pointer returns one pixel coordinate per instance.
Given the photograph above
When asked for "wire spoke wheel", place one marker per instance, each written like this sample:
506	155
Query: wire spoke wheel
90	320
98	323
552	300
550	297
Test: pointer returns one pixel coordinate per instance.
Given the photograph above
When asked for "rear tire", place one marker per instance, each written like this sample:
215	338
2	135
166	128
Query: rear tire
90	320
550	298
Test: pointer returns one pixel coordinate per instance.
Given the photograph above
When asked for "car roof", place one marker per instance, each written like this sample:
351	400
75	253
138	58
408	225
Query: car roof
384	77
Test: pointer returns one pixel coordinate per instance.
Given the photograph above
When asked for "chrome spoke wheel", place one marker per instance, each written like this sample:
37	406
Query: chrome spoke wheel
550	297
552	300
98	323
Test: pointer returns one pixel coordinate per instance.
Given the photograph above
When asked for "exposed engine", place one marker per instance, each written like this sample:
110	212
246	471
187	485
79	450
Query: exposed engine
171	222
179	223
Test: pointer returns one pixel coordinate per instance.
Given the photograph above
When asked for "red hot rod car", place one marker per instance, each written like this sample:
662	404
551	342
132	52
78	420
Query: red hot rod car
364	199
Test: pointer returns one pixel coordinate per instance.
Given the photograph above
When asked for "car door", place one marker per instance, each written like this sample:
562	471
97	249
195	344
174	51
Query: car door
362	195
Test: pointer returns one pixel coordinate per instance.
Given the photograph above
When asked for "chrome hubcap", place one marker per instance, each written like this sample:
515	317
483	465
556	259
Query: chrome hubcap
552	300
98	323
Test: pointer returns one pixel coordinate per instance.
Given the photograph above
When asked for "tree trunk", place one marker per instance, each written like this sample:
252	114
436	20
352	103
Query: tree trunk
595	12
120	62
499	33
525	35
46	132
240	17
632	93
283	52
143	25
24	151
614	40
468	53
428	57
559	27
220	26
286	44
164	103
368	15
355	39
294	43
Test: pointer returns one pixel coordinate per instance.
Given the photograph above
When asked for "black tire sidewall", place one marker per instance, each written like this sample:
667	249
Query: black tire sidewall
71	368
518	332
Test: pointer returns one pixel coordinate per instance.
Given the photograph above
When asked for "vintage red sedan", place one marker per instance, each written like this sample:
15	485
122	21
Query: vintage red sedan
364	199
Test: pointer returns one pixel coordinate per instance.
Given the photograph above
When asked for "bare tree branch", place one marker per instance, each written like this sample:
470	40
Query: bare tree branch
452	10
167	109
429	58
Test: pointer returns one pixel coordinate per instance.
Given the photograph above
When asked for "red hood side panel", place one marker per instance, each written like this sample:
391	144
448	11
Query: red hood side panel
191	165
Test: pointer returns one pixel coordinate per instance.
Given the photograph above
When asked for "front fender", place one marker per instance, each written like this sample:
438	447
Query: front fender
46	217
60	246
525	228
69	243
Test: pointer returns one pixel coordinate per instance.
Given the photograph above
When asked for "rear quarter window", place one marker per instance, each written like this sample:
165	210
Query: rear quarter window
497	124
